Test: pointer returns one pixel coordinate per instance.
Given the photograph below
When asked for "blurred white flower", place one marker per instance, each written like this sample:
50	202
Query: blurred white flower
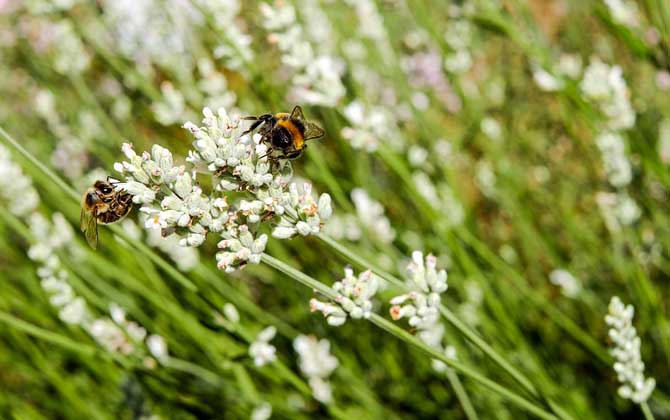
263	411
569	285
230	311
158	347
617	210
371	216
612	147
545	80
261	350
624	12
606	86
316	78
16	189
663	145
317	364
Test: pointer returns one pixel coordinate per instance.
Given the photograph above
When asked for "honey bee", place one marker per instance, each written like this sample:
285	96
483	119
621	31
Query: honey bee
102	203
285	134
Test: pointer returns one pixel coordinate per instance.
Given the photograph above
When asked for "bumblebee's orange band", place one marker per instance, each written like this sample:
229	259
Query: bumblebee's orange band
298	139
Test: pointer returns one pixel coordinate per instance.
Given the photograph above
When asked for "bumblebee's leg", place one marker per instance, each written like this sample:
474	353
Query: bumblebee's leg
253	127
295	154
259	120
269	152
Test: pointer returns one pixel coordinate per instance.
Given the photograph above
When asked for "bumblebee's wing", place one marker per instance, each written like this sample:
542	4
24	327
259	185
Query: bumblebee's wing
313	131
89	225
297	113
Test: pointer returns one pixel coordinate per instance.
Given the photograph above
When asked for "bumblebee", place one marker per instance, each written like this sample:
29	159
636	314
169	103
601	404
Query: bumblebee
102	203
285	134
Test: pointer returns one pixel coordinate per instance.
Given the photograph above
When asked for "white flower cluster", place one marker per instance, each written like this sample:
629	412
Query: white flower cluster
238	163
316	78
628	366
605	86
317	364
617	165
16	189
369	125
422	305
353	299
261	350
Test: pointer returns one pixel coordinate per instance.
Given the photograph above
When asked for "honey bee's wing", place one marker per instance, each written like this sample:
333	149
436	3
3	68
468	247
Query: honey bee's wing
89	225
313	131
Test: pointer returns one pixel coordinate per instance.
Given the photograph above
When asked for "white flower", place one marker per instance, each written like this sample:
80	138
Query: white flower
372	216
353	299
569	285
317	364
261	350
421	306
606	86
546	81
261	412
624	12
16	189
628	366
157	347
616	162
74	312
321	390
110	336
315	79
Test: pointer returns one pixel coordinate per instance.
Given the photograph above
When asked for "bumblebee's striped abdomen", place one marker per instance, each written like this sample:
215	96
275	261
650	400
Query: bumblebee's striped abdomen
295	129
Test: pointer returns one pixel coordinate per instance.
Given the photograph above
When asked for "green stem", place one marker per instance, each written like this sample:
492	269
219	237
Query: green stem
410	339
462	396
648	415
51	337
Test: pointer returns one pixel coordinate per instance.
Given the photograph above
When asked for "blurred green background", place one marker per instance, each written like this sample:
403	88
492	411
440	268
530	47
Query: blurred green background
525	144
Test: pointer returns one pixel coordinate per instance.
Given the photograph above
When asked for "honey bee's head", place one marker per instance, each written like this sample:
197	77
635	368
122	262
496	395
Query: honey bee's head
103	187
92	198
